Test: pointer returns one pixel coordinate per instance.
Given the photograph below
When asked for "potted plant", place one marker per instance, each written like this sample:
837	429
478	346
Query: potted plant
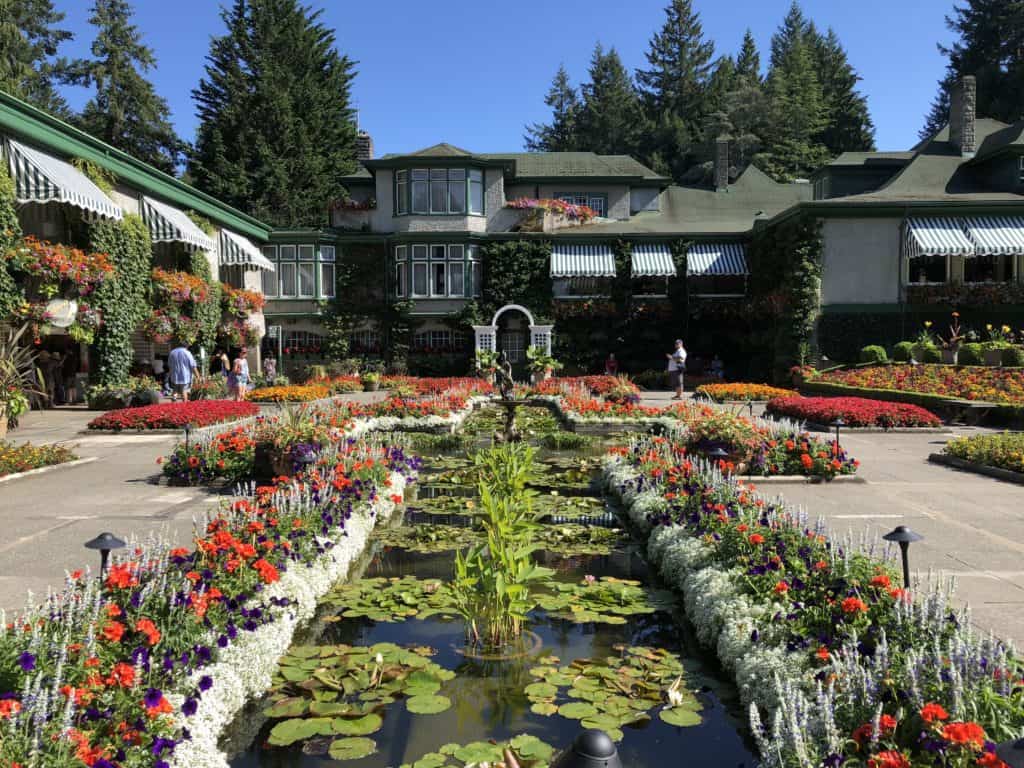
999	339
951	344
371	381
922	343
542	365
486	364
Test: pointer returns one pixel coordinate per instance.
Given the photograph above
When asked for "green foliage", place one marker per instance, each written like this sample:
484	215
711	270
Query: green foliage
517	272
971	354
873	354
97	174
276	126
30	38
10	232
124	300
903	351
540	361
611	117
562	135
202	222
1013	357
207	313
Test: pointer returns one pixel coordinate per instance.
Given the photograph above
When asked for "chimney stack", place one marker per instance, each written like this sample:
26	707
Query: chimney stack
721	164
364	146
962	105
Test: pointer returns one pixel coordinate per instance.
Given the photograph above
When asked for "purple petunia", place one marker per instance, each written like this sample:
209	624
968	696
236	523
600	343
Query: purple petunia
205	683
153	697
27	662
189	707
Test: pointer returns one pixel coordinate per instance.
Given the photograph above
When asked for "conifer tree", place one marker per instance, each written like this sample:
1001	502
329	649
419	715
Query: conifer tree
562	133
30	38
277	130
610	118
126	111
849	128
748	62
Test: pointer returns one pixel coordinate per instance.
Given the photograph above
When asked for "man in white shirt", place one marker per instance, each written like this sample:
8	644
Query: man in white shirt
677	368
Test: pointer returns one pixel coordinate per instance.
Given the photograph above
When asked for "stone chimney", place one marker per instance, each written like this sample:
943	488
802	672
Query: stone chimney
962	104
364	146
721	164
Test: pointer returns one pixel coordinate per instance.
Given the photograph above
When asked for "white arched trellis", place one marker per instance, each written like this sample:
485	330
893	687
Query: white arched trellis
487	335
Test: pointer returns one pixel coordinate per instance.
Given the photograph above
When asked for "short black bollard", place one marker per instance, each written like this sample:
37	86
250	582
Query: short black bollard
592	749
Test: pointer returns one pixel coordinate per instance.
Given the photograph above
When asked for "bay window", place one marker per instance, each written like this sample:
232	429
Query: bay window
420	192
402	192
439	191
286	272
419	279
307	280
437	271
305	271
327	272
401	272
476	190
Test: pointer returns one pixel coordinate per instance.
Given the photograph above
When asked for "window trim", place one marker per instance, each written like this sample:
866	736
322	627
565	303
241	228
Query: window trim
307	253
273	279
949	269
295	279
323	284
402	190
1020	169
1011	260
298	280
323	253
290	249
587	197
425	266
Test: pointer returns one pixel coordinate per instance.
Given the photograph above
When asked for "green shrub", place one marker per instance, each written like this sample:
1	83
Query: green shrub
901	352
873	354
971	354
1013	357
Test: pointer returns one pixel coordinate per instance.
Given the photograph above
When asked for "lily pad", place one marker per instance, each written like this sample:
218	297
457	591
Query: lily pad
427	705
577	710
351	748
359	726
679	716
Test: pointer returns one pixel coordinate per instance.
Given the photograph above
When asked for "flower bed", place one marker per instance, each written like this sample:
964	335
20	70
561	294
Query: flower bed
198	413
147	666
289	394
24	457
230	455
855	411
845	667
993	385
741	391
1004	451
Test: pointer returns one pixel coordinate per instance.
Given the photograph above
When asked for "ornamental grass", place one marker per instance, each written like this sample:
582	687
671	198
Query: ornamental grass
1004	451
741	391
854	411
197	413
24	457
987	384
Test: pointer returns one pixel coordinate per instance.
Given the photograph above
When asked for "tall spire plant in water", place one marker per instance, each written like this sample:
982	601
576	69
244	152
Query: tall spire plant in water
493	581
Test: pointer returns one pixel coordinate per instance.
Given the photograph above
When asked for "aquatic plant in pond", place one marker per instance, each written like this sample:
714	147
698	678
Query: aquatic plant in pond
394	599
527	751
566	540
604	599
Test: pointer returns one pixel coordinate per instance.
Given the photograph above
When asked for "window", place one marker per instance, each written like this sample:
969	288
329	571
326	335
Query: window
365	340
419	252
511	343
437	271
419	279
302	343
439	191
306	252
578	287
456	278
650	286
717	285
287	274
401	271
326	253
287	253
438	279
597	203
402	192
438	252
476	190
438	340
307	281
326	280
988	269
1020	169
928	269
270	278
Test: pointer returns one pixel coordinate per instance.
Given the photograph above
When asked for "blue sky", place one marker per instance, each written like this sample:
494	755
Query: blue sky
473	73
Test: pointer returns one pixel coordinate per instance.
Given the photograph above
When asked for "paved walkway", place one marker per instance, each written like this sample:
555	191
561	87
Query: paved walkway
973	525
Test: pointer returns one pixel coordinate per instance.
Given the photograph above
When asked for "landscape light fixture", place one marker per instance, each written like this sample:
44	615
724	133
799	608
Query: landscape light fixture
838	424
188	431
750	407
1011	753
903	536
104	543
592	749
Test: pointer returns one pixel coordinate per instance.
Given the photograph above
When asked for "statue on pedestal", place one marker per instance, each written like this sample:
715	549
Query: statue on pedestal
503	377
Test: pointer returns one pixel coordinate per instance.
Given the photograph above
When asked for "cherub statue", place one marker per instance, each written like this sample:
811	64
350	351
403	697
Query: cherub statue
504	377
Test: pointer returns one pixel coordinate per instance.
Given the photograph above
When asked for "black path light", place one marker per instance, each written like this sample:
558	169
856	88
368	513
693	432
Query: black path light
750	407
591	749
903	536
717	454
1011	753
104	543
838	424
188	431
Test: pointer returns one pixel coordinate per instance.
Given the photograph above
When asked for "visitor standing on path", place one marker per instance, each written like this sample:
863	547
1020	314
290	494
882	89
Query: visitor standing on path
182	369
677	369
238	378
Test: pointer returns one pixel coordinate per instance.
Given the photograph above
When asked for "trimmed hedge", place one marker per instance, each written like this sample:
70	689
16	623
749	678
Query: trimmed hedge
873	354
903	351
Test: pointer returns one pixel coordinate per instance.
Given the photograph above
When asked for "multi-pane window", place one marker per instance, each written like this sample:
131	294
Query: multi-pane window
474	273
286	273
928	269
302	343
988	269
307	280
401	271
270	279
365	340
577	287
436	271
438	340
303	271
597	203
439	191
327	255
1020	169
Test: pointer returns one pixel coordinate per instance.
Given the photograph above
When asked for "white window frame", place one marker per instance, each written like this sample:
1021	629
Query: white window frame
402	192
327	288
443	272
457	180
307	253
286	253
439	181
476	179
311	269
269	279
327	253
413	183
282	269
424	268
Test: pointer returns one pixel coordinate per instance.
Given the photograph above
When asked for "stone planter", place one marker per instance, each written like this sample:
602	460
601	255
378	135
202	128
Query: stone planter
536	377
993	356
949	356
270	461
371	385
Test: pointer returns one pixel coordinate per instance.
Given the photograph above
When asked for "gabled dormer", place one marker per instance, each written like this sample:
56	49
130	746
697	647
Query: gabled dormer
999	161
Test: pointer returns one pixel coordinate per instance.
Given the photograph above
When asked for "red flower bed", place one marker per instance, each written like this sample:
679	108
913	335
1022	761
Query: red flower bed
199	413
855	411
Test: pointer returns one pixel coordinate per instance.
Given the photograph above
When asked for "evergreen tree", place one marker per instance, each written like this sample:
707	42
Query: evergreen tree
849	128
561	134
748	63
277	130
610	118
30	37
126	111
990	46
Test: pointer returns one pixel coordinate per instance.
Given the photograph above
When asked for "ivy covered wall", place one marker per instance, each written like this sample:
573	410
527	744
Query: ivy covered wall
207	313
124	301
10	231
517	272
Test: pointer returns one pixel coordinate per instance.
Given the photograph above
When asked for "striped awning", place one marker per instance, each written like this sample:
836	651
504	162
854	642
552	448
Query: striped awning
996	235
169	225
937	237
237	250
582	261
717	259
652	260
42	178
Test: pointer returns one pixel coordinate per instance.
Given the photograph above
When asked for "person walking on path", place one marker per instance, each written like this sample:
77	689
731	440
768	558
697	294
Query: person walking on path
611	365
182	369
238	378
677	369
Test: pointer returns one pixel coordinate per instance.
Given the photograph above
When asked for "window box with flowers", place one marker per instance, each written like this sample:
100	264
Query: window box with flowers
352	214
175	298
547	214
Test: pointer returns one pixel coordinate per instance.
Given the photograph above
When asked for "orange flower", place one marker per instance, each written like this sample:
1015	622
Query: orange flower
852	605
964	733
889	759
268	573
9	707
149	629
781	588
122	675
931	712
823	654
881	580
756	538
113	631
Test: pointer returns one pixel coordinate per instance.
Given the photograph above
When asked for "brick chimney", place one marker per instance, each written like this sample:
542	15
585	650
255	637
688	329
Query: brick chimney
721	164
962	104
364	146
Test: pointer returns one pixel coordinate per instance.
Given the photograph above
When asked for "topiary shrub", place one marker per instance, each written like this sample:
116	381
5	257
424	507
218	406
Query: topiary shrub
1013	357
902	352
971	354
931	355
873	354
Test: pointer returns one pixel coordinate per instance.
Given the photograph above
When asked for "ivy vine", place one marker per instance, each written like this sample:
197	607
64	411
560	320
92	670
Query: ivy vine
207	314
10	233
98	175
123	301
517	272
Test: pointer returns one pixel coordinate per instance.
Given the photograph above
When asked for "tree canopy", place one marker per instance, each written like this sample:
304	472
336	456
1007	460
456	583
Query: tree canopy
30	39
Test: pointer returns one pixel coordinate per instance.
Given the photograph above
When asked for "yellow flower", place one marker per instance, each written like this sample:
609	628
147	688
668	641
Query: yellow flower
1006	329
988	327
927	323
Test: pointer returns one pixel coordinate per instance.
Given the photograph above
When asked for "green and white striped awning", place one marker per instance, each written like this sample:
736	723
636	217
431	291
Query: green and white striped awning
652	260
717	259
237	250
42	178
582	261
937	237
996	235
169	225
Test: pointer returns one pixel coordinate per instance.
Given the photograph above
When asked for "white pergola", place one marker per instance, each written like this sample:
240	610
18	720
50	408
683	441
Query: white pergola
486	336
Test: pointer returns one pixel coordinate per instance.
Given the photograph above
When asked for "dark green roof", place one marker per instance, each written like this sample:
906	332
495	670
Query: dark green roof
27	123
703	211
360	176
576	165
869	159
1010	138
437	150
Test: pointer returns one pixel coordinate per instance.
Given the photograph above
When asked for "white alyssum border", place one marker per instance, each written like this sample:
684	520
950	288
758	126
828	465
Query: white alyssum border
244	670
